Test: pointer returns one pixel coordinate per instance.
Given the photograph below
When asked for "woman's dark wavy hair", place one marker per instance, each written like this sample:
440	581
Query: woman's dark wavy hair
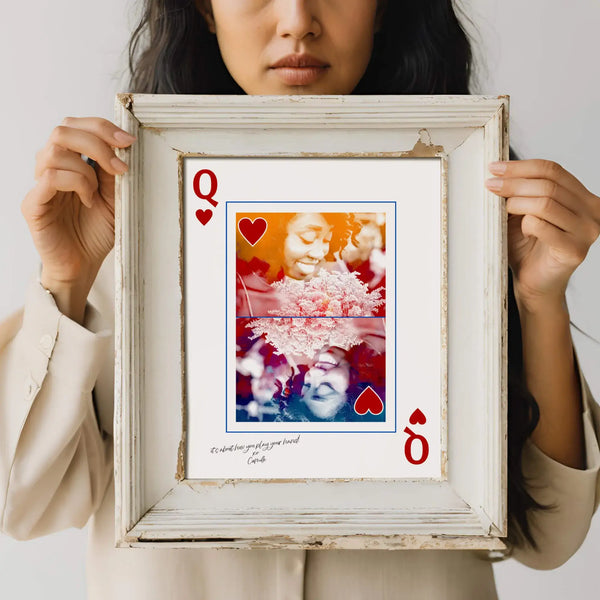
420	48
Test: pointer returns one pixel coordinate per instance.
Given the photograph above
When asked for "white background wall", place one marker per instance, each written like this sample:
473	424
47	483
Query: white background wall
65	57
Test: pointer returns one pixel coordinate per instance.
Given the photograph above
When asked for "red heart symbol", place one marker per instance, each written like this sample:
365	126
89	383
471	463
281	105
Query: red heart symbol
252	230
368	400
417	417
204	216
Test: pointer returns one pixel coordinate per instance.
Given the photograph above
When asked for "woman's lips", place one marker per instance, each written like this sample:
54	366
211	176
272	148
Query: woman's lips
299	69
299	75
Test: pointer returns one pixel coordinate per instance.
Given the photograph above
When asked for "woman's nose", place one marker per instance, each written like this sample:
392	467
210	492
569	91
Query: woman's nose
297	18
318	251
312	377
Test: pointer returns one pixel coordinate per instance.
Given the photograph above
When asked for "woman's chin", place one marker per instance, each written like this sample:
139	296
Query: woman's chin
321	409
304	271
321	414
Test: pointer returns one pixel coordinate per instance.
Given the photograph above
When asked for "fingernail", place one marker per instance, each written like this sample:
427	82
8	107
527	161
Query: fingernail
498	168
123	137
87	201
494	184
118	165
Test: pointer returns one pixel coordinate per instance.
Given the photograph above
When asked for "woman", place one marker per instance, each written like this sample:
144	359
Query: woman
56	464
275	383
295	246
329	387
298	246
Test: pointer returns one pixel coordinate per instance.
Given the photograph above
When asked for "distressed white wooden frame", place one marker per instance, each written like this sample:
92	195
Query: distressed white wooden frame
155	504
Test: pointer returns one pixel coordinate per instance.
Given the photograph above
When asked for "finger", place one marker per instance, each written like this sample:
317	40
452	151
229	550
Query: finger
56	157
548	209
547	233
35	201
537	188
539	169
37	197
102	128
83	142
57	180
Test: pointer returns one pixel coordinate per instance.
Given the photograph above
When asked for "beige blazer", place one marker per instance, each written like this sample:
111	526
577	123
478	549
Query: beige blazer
56	471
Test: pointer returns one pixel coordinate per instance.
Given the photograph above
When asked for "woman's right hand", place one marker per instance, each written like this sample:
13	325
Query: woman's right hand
70	212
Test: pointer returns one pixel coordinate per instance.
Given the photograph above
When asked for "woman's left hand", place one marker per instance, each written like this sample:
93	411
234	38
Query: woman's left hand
552	222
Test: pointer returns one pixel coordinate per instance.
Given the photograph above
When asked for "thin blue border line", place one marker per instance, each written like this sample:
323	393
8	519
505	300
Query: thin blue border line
395	317
226	315
395	307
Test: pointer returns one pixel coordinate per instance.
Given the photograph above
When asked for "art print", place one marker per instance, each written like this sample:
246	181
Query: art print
297	275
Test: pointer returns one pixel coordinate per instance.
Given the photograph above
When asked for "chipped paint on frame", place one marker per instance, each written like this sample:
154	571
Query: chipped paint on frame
181	450
338	542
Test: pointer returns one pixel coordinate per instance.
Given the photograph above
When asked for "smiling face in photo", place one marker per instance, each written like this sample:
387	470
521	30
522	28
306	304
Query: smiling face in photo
306	245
